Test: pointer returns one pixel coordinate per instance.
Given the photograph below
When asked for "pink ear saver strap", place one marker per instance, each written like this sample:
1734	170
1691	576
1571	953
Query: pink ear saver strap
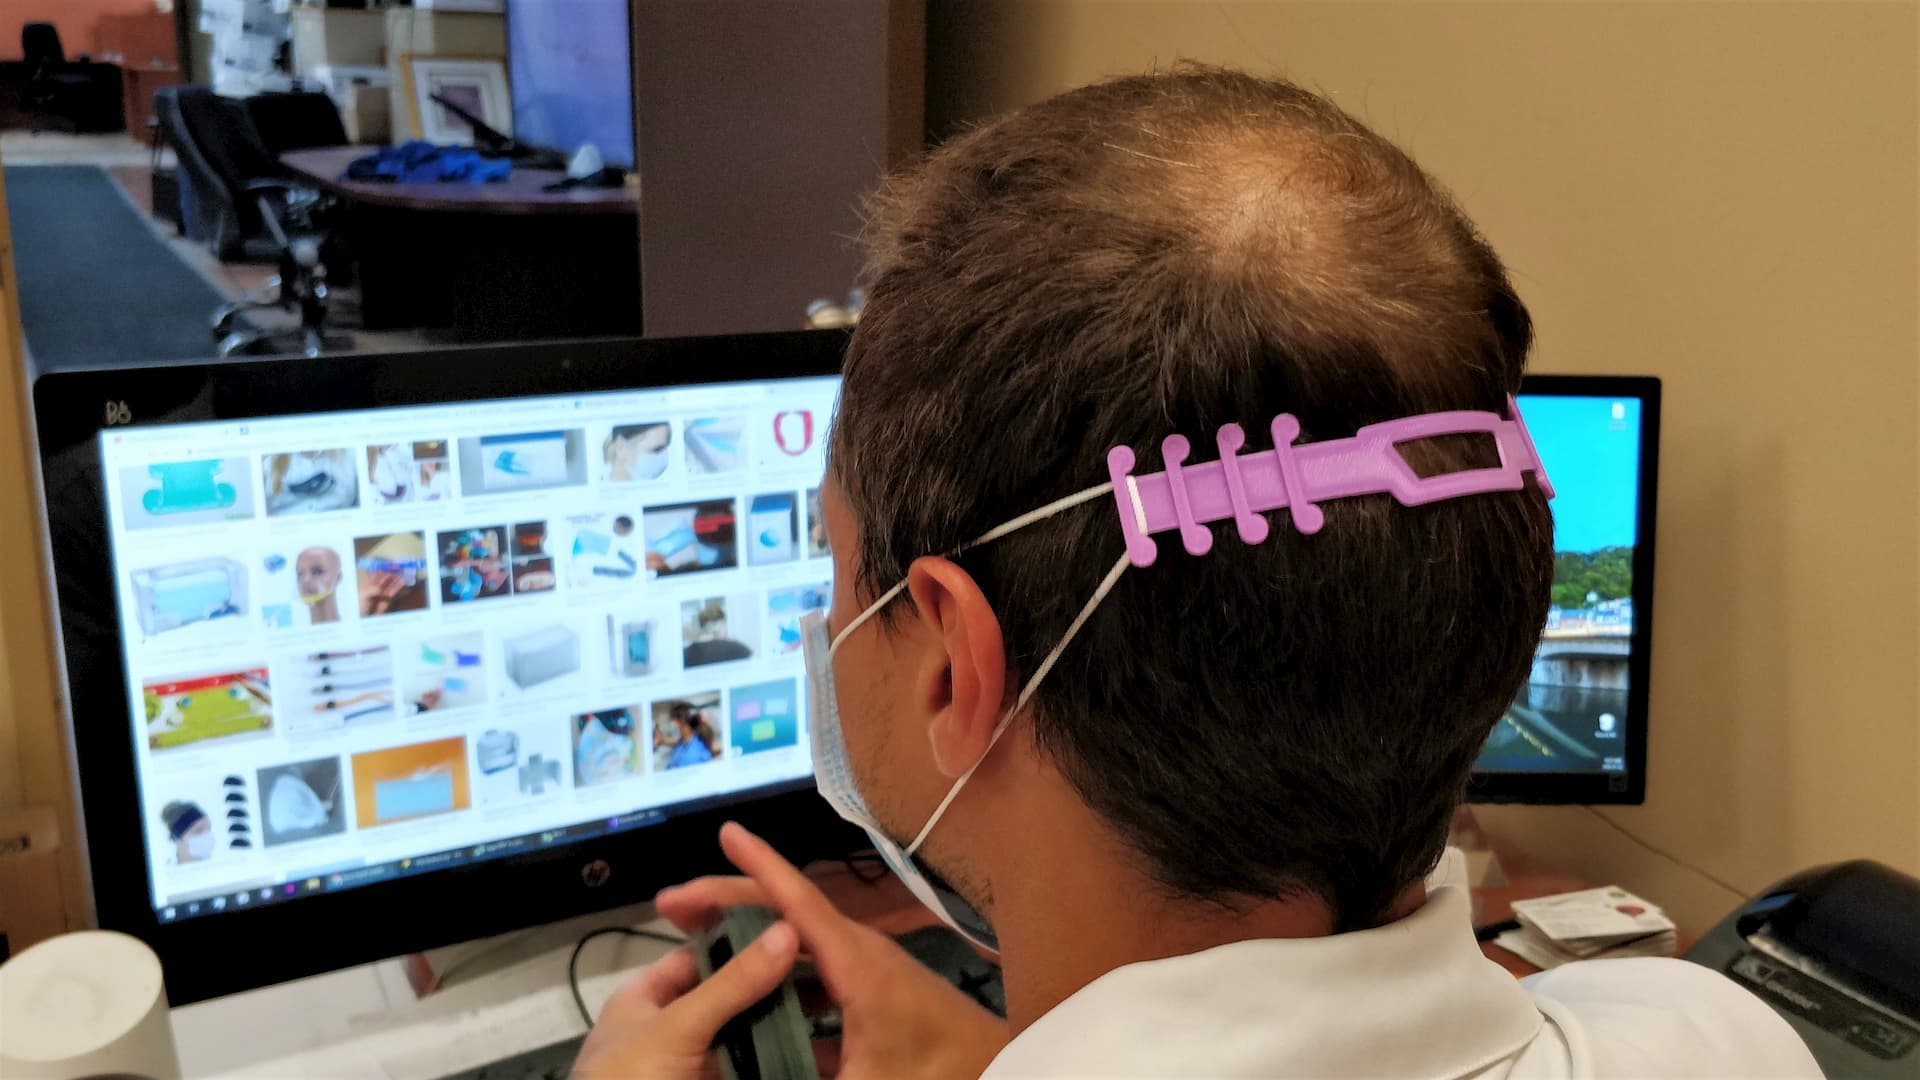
1299	478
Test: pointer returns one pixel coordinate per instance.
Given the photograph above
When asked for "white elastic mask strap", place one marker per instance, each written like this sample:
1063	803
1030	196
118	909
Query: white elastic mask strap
1026	693
995	533
872	610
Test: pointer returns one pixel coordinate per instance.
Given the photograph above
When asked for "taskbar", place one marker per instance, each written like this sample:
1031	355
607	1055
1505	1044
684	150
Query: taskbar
335	877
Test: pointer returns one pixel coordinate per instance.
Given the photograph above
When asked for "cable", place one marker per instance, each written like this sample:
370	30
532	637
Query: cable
1669	856
573	962
461	963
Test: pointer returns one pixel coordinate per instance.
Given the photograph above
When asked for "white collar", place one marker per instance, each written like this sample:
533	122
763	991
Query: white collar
1413	998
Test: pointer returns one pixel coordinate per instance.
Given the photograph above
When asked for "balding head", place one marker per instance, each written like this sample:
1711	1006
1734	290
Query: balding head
1166	254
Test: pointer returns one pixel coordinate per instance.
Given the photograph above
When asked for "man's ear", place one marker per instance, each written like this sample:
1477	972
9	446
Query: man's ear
963	683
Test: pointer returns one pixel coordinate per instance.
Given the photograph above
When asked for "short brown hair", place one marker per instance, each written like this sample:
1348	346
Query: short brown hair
1167	253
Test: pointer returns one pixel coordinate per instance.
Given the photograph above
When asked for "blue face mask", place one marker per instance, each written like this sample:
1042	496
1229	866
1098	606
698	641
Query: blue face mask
833	768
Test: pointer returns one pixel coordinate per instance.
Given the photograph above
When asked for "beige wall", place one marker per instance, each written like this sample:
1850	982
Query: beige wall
1723	195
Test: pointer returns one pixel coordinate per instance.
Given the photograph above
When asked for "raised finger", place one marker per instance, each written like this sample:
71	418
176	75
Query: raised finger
797	899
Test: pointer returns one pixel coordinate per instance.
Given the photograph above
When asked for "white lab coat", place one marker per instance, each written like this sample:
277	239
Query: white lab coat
1412	999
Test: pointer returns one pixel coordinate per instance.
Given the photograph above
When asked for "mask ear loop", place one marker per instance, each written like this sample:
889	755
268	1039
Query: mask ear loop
1009	526
1026	693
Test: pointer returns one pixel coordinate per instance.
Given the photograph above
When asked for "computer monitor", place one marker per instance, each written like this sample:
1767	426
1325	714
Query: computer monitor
1577	733
570	69
369	654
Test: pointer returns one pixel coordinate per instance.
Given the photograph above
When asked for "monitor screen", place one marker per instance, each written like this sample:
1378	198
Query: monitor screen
570	67
1574	714
364	645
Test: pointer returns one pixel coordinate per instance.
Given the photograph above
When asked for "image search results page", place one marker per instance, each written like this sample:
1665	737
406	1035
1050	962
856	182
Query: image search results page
357	639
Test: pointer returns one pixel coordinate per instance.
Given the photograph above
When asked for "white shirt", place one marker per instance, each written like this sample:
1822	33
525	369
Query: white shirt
1414	998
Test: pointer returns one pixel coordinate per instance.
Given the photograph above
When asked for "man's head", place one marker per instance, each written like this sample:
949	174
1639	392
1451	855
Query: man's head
1156	255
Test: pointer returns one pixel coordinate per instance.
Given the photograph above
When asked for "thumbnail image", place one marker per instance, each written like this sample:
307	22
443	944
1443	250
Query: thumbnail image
601	551
413	781
189	830
494	560
301	587
186	492
637	452
686	731
714	445
766	716
409	472
202	820
391	474
512	764
687	538
322	693
529	461
794	436
436	470
773	529
224	704
532	563
786	606
301	801
181	594
310	482
606	746
717	629
816	526
391	572
640	645
443	672
474	564
541	656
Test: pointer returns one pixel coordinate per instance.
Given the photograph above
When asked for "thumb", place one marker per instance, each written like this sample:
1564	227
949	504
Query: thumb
749	976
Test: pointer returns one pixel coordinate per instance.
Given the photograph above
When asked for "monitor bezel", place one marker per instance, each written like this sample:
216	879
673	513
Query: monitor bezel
243	948
1598	788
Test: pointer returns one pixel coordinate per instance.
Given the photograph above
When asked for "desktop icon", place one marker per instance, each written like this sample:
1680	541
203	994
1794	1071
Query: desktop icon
266	894
243	899
168	915
193	909
313	883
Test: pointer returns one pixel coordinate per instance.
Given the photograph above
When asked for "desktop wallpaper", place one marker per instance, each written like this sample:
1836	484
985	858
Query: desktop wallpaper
1572	714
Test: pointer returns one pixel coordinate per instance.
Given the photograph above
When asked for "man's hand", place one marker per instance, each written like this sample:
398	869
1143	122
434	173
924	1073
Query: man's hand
900	1020
662	1023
